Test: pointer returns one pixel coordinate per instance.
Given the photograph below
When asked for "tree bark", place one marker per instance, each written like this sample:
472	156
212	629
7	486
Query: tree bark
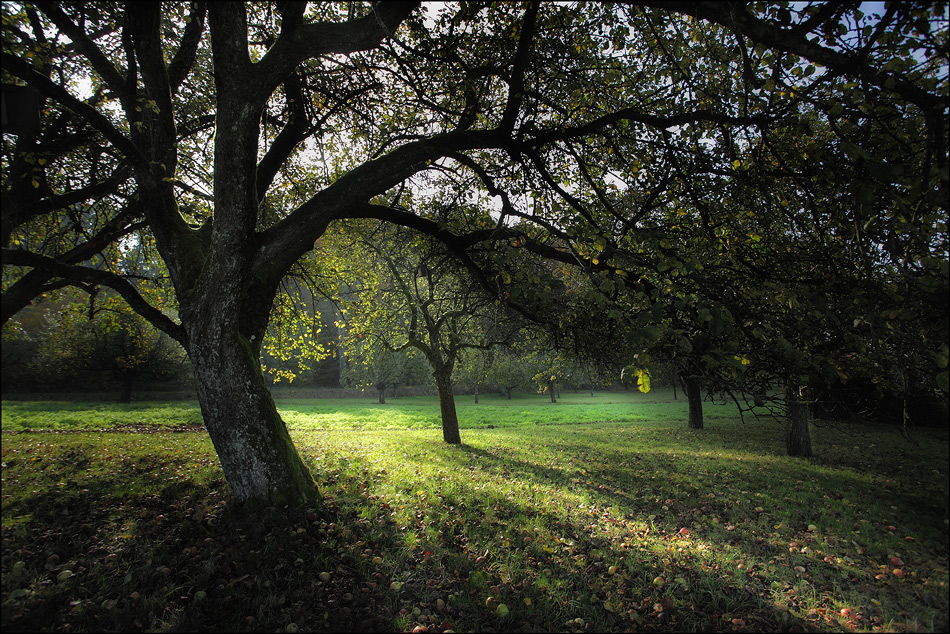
476	394
797	434
256	453
551	390
450	421
694	396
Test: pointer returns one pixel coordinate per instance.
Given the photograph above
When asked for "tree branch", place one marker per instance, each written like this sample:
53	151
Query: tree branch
26	72
122	286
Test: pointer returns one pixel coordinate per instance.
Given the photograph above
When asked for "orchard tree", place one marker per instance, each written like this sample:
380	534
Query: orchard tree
507	371
371	364
407	291
227	137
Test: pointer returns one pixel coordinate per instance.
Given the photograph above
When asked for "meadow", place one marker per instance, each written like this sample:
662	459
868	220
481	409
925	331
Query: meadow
590	514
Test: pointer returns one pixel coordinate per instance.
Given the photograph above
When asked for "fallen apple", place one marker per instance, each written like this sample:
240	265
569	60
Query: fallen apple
502	610
659	582
324	576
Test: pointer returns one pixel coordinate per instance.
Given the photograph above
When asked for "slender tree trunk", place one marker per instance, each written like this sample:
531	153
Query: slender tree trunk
551	390
476	394
508	391
797	434
450	421
694	396
126	395
382	394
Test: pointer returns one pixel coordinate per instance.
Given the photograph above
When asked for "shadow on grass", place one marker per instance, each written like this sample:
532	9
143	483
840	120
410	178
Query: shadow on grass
171	556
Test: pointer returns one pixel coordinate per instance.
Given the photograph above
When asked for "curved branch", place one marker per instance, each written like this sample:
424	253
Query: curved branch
157	318
84	44
187	53
299	42
793	40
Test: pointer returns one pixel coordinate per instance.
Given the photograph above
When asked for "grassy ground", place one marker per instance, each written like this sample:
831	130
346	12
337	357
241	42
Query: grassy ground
628	522
418	412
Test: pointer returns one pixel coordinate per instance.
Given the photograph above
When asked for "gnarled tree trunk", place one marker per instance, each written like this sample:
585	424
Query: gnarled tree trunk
256	452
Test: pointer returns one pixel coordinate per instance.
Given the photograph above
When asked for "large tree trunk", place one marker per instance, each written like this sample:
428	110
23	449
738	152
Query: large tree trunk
450	421
797	434
227	294
257	455
694	397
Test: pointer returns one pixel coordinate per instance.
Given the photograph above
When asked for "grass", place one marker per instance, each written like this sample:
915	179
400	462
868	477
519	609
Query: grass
629	521
421	412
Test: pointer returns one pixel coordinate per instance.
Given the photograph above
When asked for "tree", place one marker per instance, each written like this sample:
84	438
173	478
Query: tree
508	371
227	138
371	364
409	292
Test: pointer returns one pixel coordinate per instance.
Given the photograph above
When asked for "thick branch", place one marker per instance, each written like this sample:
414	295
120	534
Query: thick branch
85	46
287	140
187	52
299	42
516	83
19	68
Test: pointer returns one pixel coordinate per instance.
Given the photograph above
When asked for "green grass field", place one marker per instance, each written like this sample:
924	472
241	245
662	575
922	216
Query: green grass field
591	514
350	414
